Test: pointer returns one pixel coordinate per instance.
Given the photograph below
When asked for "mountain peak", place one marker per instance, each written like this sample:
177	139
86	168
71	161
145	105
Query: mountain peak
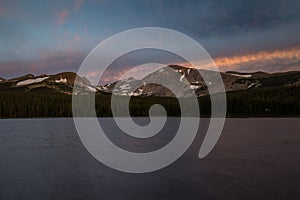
232	81
27	76
64	82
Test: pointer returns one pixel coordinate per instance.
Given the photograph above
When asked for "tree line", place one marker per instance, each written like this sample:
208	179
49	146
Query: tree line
258	102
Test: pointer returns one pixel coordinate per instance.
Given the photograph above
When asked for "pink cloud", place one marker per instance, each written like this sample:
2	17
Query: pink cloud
77	38
2	11
49	62
62	16
270	61
78	4
112	75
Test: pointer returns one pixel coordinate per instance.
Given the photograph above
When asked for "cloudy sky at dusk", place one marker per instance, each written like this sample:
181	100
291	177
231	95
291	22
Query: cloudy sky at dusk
53	36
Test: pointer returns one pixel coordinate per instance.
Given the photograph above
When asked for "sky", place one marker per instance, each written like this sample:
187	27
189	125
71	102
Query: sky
47	37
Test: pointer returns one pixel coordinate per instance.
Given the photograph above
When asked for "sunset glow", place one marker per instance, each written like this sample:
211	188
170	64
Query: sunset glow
268	61
54	36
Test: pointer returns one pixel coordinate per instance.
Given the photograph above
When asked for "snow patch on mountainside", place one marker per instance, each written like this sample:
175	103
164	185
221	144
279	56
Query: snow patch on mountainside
31	81
242	75
91	88
194	87
181	77
61	80
125	87
101	87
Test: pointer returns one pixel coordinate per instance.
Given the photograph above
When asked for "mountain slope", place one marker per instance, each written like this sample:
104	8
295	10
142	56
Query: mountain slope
255	94
233	81
61	82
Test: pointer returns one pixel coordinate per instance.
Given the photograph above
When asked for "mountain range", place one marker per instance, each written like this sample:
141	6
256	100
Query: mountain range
233	81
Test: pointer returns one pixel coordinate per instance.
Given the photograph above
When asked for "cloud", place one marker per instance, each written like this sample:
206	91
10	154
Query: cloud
78	4
49	62
2	12
268	61
62	16
224	28
207	18
76	38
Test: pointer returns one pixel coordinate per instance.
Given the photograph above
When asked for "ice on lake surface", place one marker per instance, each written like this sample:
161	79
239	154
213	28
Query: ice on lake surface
254	159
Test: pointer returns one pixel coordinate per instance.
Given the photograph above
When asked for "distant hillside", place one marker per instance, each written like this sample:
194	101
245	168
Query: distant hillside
62	82
256	94
233	81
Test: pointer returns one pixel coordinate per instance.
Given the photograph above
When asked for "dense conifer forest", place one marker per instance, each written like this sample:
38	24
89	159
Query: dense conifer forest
258	102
